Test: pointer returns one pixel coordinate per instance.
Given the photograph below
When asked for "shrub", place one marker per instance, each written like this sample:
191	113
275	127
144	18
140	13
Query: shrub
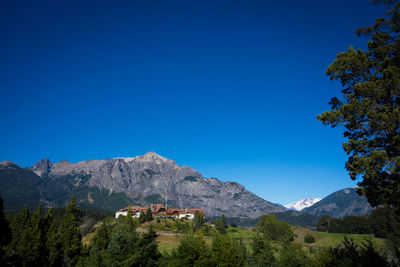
274	229
309	239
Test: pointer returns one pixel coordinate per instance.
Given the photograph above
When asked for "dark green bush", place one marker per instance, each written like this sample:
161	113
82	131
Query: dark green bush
309	239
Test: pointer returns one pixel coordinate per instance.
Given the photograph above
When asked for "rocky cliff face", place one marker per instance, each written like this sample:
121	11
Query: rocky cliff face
153	178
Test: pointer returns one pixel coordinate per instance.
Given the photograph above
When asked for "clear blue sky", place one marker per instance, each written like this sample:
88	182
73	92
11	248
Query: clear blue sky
230	88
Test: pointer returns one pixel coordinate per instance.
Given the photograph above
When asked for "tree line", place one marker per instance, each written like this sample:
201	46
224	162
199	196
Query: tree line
40	239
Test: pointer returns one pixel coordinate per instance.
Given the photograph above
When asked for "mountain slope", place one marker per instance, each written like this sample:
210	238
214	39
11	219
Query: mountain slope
114	183
341	203
18	186
302	203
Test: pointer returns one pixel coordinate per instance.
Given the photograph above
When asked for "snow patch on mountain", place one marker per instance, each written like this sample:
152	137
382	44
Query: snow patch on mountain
303	203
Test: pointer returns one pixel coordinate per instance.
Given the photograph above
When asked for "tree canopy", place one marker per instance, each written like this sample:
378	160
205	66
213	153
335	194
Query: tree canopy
369	109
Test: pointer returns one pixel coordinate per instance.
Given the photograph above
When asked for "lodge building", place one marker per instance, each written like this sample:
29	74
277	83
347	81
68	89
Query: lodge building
159	210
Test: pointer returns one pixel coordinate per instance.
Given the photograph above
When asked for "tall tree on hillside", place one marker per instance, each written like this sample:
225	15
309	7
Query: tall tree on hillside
198	220
70	234
369	109
148	215
227	251
5	233
38	237
53	241
274	229
262	252
21	243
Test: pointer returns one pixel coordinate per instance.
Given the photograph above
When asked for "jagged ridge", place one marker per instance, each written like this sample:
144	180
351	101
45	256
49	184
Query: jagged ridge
145	179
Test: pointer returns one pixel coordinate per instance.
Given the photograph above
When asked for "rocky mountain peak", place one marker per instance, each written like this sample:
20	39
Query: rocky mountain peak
303	203
148	157
8	164
144	179
43	167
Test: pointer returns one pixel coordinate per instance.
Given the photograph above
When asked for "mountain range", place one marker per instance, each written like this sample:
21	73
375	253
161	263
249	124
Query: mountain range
341	203
115	183
302	203
111	184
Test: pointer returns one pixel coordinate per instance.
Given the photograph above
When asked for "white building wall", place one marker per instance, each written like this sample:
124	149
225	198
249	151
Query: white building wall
119	213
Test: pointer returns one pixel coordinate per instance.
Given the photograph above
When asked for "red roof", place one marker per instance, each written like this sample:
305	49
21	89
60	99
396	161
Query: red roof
160	208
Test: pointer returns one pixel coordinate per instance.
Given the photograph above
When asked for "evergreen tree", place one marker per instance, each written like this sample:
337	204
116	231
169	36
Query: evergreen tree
220	224
54	245
142	217
38	238
369	110
262	252
123	244
293	256
70	234
198	220
147	254
192	251
102	237
5	232
22	238
228	252
148	215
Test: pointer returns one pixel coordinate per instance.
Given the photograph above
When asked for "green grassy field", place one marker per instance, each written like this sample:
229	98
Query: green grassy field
167	241
240	233
332	239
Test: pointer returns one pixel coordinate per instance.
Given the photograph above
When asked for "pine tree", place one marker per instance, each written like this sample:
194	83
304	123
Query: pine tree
5	232
142	217
38	238
148	254
54	245
70	234
198	220
262	252
123	244
228	252
149	215
21	244
369	110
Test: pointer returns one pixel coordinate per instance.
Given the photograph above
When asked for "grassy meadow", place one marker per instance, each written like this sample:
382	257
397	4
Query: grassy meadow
170	232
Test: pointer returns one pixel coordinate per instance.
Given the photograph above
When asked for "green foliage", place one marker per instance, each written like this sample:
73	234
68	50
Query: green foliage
148	215
274	229
350	254
128	248
123	243
298	218
308	238
148	254
233	225
291	255
348	224
142	218
220	226
370	110
192	251
228	252
262	252
198	220
5	233
102	237
382	222
70	234
53	243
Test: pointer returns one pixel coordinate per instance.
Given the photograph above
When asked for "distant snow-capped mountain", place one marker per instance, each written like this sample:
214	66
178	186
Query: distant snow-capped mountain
302	203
